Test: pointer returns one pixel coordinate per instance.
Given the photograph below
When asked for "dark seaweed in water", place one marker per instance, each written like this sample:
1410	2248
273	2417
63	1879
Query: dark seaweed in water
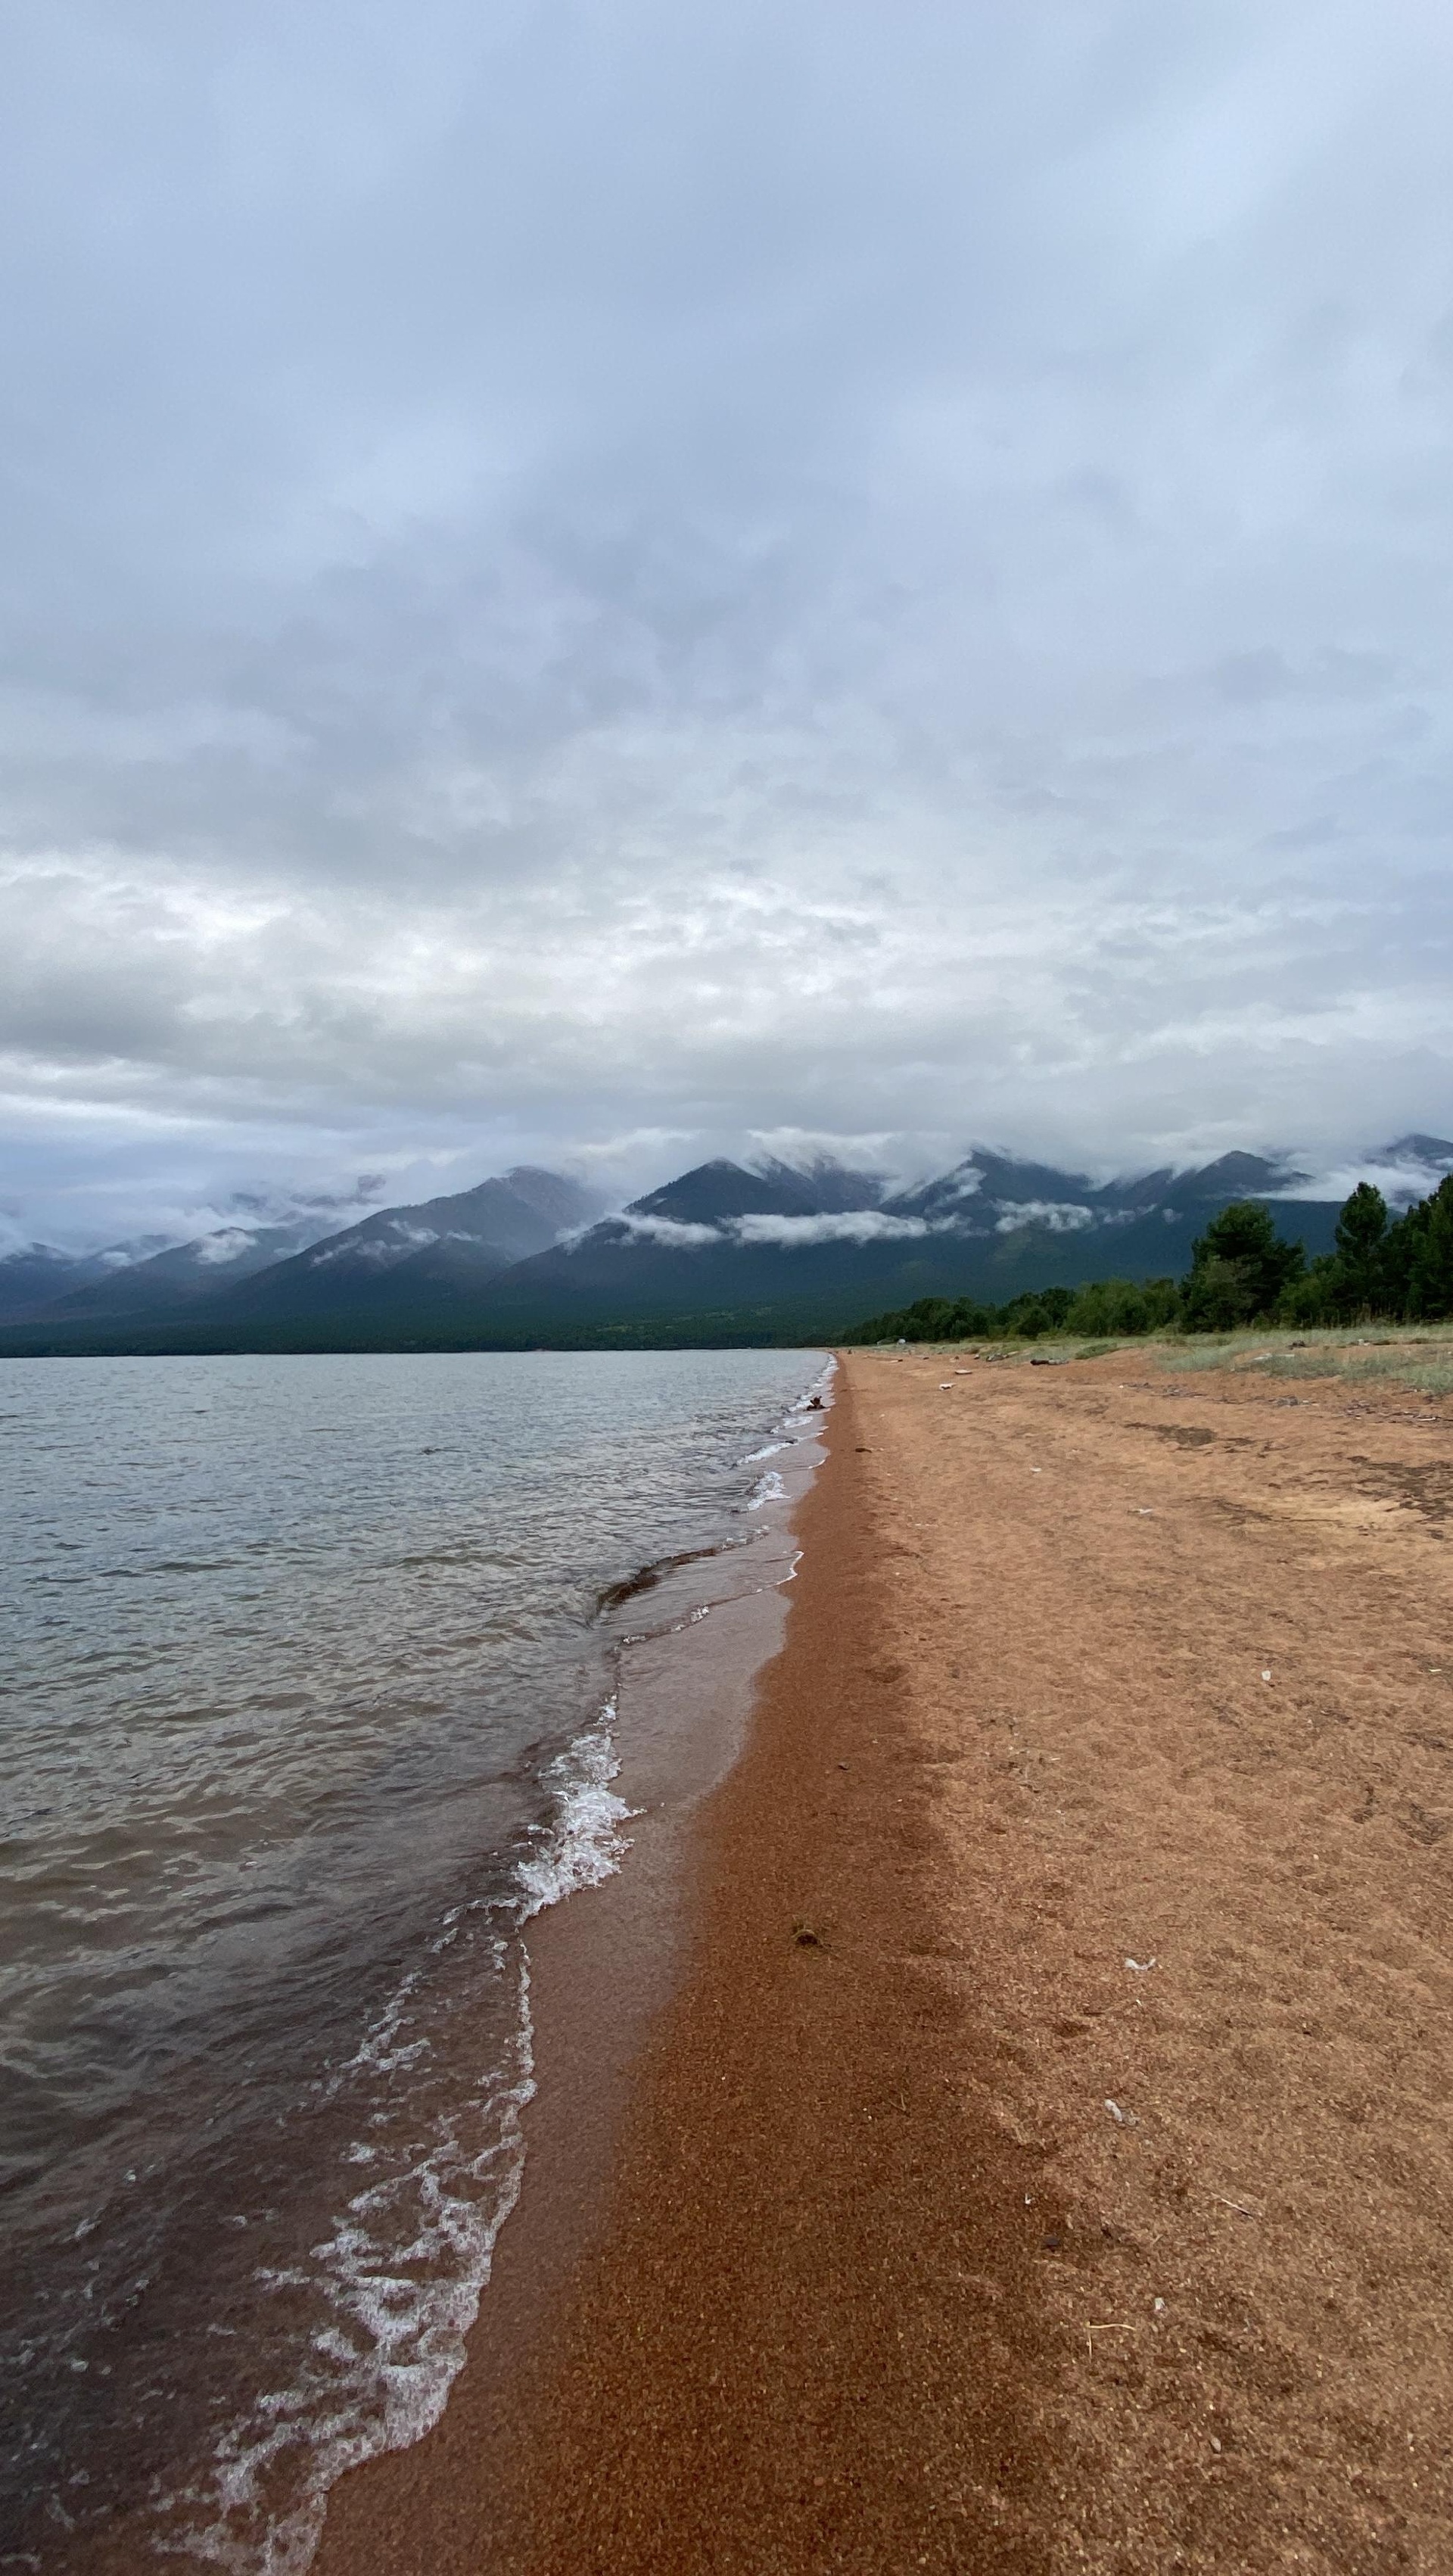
647	1577
297	1728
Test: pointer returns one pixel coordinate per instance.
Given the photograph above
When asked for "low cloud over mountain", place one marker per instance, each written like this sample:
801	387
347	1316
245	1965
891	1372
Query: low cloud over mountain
750	1250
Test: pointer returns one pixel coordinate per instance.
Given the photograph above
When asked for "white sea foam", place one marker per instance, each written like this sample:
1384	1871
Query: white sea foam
770	1488
398	2282
398	2278
585	1843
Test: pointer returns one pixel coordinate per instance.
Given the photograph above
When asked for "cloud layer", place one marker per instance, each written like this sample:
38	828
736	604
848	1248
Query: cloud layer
586	575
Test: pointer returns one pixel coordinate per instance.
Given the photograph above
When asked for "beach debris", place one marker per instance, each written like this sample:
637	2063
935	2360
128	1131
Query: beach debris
1142	1964
1243	2208
944	1384
1158	2307
1111	2325
1266	1673
1145	1511
1122	2119
806	1935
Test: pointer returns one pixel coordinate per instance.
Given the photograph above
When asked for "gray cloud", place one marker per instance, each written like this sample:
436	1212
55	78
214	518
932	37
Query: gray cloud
603	580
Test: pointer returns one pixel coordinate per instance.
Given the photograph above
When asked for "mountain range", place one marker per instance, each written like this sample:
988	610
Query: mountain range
726	1252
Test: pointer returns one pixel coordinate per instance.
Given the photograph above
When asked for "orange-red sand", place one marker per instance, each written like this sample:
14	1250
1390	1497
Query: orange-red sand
1045	2160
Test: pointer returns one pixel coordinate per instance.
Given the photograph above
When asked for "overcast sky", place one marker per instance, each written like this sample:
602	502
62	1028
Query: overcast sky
615	580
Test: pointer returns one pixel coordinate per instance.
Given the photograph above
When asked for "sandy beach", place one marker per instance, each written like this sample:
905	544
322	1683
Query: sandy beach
1041	2158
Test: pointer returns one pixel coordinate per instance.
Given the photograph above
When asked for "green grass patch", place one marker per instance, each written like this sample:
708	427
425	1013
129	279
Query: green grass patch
1422	1360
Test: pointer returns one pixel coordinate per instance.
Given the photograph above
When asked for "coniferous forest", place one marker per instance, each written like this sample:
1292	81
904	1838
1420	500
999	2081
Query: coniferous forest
1242	1272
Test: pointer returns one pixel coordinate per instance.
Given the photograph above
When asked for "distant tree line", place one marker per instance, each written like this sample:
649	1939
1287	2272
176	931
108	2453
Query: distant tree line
1242	1272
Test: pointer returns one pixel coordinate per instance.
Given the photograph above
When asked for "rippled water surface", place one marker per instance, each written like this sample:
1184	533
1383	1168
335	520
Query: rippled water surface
305	1704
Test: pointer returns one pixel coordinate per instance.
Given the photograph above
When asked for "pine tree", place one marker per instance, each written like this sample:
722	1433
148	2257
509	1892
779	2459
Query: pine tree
1358	1281
1239	1268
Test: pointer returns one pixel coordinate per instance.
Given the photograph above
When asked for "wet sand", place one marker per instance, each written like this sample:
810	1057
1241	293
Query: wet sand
1042	2161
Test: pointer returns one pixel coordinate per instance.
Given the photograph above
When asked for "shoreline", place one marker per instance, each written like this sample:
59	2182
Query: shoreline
769	2327
783	2115
604	1963
1040	2162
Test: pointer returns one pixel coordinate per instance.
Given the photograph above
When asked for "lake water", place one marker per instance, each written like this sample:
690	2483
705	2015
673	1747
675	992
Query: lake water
307	1703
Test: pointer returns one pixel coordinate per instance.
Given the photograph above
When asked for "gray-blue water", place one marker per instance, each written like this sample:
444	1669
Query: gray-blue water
305	1702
